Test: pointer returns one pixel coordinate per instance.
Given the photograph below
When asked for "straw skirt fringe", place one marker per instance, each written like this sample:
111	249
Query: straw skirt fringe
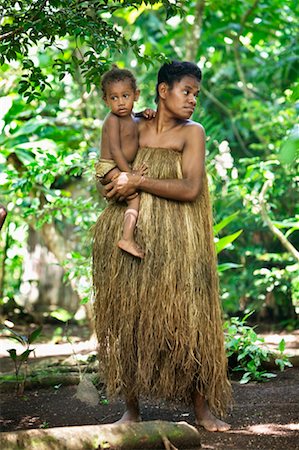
158	320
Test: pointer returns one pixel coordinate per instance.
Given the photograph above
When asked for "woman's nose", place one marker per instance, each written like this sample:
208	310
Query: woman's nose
192	99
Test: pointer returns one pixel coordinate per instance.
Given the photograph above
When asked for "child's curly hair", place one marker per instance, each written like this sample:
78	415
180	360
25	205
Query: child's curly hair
117	74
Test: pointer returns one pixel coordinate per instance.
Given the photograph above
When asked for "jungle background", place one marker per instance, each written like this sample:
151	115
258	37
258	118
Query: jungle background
52	56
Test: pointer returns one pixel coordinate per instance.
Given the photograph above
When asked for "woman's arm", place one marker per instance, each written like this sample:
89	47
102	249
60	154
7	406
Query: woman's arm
185	189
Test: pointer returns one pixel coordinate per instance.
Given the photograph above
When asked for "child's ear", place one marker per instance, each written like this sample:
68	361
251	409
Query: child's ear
137	93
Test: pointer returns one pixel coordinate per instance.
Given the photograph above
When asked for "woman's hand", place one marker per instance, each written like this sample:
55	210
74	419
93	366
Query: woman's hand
122	187
142	170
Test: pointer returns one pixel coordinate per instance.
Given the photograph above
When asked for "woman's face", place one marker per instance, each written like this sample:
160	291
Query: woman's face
180	100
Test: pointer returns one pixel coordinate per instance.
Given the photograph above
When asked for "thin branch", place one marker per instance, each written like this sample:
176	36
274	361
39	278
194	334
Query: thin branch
229	114
194	38
12	33
247	14
268	221
240	71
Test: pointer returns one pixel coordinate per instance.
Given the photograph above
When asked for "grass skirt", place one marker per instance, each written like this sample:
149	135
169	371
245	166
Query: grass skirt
158	320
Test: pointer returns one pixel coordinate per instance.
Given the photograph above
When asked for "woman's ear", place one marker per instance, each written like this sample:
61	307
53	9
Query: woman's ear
162	89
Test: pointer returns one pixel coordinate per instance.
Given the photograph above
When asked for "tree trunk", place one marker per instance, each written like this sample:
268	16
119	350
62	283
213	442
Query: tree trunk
42	288
127	436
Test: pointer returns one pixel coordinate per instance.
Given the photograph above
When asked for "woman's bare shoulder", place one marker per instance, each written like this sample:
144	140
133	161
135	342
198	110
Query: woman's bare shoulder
193	131
194	125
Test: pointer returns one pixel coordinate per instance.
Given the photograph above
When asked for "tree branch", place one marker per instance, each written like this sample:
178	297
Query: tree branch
194	38
265	216
247	14
10	34
229	114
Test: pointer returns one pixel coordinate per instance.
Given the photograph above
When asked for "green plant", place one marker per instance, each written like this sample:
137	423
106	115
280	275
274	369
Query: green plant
247	353
22	359
282	359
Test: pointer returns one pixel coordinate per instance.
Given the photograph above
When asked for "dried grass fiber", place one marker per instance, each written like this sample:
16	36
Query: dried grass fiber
158	320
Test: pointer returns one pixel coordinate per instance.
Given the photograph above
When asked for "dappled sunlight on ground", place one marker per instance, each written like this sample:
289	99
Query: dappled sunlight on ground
50	349
269	428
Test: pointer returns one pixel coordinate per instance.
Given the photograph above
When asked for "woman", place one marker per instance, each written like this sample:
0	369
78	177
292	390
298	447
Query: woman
158	320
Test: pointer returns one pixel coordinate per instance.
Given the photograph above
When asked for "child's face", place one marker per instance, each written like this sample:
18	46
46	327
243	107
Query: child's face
120	97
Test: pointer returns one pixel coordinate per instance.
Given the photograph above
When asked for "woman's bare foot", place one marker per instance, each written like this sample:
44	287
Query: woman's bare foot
132	413
205	418
129	416
210	423
131	247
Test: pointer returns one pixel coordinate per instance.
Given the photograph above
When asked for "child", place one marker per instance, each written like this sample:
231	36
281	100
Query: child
119	144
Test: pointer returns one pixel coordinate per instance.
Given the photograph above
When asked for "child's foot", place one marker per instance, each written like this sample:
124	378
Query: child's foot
131	247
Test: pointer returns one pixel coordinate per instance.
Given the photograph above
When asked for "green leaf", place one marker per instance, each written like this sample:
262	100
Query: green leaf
26	156
24	356
219	226
34	335
18	337
62	314
282	346
226	241
226	266
13	354
245	378
289	150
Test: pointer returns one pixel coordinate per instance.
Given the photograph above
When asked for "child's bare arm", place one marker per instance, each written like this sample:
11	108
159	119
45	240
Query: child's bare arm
148	113
113	133
3	214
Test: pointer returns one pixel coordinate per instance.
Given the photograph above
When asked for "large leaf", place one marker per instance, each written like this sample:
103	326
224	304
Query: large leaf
26	156
219	226
34	335
18	337
226	241
227	266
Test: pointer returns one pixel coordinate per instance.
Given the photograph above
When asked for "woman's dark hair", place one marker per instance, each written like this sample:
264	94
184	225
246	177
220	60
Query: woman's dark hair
117	74
173	72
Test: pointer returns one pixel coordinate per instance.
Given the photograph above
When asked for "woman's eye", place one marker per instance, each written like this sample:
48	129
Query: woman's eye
186	92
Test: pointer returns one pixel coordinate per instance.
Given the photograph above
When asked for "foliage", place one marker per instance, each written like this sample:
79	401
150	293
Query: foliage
247	351
50	135
88	25
22	359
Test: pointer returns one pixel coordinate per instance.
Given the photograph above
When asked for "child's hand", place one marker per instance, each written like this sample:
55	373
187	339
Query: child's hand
148	113
142	170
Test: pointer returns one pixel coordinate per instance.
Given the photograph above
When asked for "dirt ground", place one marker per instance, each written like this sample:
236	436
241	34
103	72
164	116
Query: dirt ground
265	416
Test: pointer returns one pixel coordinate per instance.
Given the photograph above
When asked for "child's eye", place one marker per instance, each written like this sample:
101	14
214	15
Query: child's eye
113	98
126	95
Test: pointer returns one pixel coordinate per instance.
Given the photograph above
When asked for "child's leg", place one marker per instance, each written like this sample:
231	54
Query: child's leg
127	242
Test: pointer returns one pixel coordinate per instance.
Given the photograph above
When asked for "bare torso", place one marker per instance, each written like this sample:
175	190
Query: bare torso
128	137
173	137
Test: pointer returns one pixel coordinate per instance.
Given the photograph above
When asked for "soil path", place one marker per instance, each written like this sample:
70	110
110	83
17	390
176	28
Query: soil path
265	416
